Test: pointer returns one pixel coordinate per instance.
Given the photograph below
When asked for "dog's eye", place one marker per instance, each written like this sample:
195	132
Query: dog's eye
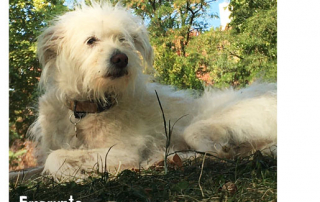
91	40
122	39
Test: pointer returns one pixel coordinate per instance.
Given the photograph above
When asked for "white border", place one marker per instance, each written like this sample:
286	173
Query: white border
4	55
298	100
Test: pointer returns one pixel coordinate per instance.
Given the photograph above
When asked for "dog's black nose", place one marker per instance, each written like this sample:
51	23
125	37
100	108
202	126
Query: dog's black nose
119	60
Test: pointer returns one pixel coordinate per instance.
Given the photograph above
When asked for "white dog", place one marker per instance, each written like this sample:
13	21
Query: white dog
96	96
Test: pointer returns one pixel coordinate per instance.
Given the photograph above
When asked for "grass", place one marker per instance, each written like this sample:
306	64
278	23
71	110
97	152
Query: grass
253	178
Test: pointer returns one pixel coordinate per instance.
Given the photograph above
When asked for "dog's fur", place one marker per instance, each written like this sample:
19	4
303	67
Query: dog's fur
227	122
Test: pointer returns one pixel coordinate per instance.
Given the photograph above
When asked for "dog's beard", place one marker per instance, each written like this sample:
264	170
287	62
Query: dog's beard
116	73
115	83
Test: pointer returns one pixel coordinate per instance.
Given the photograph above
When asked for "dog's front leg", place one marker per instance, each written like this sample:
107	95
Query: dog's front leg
67	164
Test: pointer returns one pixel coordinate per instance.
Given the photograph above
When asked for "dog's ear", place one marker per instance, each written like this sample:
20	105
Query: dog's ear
48	46
142	44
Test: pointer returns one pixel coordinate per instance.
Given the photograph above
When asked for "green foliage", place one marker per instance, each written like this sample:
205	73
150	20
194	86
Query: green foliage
242	10
255	38
233	57
237	58
258	42
16	156
175	70
170	24
26	19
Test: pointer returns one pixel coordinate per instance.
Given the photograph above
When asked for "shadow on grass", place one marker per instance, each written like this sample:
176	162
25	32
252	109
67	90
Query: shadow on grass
253	178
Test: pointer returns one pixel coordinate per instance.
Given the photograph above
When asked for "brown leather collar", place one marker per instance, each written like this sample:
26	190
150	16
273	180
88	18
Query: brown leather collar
82	108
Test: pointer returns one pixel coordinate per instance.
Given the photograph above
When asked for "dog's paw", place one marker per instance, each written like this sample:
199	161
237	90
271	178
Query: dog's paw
65	165
62	165
206	137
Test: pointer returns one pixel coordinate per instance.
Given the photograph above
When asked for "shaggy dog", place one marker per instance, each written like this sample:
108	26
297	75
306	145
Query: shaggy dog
97	97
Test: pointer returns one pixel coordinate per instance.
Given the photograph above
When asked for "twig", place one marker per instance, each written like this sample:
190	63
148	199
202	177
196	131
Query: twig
17	180
94	165
74	175
266	192
163	117
119	167
105	158
204	157
168	140
98	165
59	169
178	120
168	136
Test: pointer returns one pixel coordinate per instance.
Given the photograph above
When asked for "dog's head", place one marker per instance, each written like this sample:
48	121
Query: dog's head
94	50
